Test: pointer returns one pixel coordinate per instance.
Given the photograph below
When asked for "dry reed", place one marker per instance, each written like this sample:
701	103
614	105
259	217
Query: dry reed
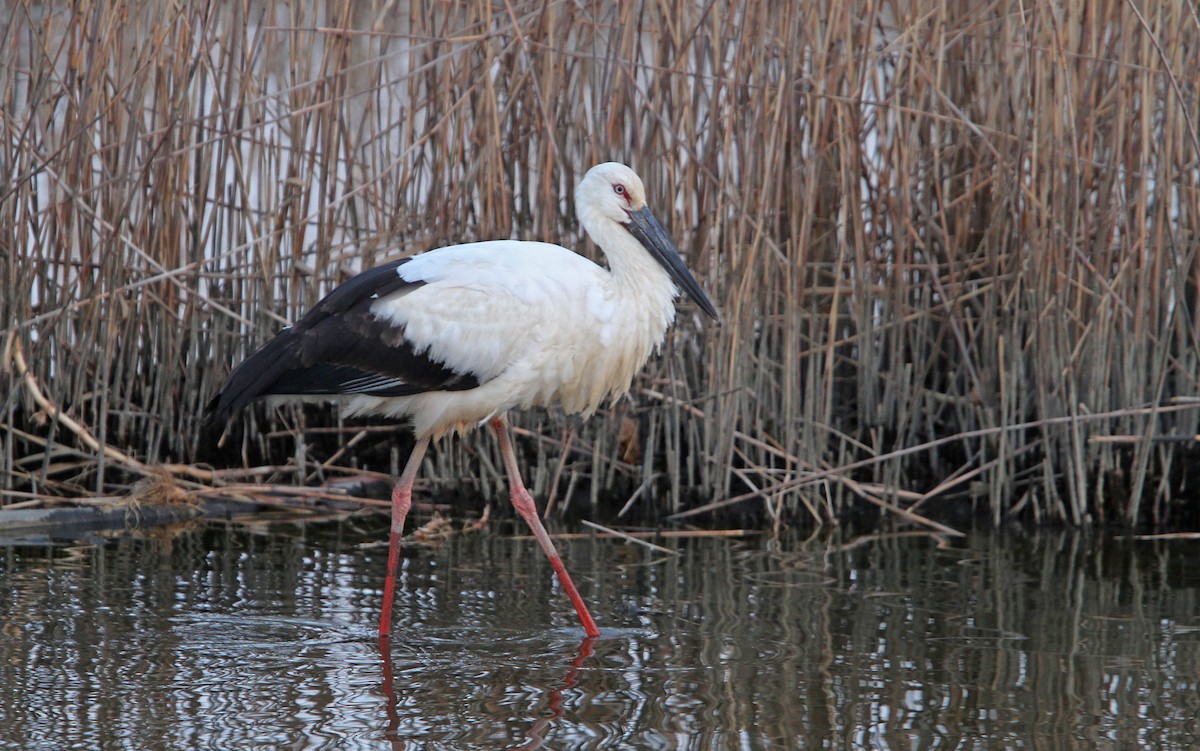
954	243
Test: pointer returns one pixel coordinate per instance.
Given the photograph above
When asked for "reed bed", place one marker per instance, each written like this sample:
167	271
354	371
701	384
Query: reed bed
954	244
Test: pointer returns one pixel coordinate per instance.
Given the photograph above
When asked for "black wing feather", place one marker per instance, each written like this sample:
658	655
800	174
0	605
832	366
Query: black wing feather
339	347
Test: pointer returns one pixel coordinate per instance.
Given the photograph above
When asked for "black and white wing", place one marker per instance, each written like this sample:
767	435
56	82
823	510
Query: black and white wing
341	347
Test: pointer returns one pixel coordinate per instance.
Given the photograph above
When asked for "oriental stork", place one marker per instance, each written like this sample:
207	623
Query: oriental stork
456	337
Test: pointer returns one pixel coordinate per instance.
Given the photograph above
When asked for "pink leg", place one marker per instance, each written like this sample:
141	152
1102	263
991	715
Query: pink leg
523	502
401	502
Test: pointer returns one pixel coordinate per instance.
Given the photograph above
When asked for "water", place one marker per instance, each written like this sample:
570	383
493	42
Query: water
261	636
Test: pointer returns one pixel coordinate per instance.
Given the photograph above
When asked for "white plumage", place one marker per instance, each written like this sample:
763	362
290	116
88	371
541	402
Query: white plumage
460	335
536	323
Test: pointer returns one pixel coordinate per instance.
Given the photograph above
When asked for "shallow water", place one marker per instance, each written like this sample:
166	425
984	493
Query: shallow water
262	636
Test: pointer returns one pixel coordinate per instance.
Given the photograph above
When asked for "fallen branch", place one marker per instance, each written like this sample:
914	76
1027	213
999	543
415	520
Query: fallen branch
630	538
663	533
837	473
85	436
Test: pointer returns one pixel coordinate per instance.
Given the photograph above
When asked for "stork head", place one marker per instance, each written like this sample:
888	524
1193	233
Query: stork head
613	192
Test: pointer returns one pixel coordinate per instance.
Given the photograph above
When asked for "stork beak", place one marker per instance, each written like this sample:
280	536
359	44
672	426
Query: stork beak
651	234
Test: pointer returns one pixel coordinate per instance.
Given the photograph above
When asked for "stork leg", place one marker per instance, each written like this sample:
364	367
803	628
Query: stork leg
401	503
524	505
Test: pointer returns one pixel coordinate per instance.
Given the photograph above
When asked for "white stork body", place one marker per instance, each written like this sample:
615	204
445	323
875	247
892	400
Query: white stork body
458	336
536	323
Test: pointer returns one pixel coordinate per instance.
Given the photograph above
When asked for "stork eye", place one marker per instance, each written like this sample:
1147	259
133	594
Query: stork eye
619	189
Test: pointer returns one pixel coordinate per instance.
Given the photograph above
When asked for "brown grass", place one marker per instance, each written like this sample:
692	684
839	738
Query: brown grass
954	244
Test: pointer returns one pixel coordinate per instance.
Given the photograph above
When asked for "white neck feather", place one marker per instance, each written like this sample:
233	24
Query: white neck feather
636	273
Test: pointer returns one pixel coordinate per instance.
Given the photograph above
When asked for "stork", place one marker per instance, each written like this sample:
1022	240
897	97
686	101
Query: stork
456	337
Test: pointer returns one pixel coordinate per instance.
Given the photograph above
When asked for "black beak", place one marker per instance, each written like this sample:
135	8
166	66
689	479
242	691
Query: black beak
651	234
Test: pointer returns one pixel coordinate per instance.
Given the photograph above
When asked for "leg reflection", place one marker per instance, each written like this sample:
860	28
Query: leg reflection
392	734
537	733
